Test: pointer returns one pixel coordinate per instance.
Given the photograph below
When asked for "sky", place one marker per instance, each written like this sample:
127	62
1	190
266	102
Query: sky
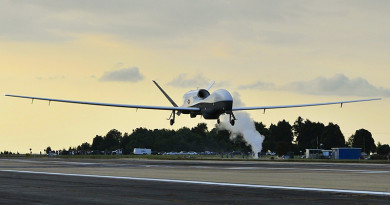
263	52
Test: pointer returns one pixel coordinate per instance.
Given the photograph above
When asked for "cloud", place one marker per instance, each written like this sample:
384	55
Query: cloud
258	85
47	20
190	82
339	85
57	77
123	75
177	23
197	81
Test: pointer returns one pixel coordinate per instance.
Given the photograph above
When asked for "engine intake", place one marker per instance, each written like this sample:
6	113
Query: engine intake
202	93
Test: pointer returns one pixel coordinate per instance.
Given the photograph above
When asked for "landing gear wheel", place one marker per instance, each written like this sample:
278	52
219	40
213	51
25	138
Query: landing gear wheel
218	121
232	119
172	117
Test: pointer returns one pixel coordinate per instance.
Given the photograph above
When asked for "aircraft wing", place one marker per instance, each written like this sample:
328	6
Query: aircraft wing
109	104
299	105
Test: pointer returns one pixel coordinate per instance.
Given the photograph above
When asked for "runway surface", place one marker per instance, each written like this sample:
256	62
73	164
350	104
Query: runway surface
124	181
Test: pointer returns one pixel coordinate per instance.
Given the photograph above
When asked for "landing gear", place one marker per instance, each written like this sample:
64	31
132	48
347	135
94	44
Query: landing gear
172	121
218	121
232	119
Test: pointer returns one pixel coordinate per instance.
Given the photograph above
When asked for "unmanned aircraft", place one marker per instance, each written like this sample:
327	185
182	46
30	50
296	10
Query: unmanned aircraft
197	102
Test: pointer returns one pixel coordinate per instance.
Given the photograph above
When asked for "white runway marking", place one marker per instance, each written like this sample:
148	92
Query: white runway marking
304	169
209	183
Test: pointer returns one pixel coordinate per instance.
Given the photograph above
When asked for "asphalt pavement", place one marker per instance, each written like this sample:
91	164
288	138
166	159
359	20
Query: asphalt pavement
59	181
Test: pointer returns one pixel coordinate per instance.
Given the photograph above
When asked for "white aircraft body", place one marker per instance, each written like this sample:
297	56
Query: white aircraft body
197	102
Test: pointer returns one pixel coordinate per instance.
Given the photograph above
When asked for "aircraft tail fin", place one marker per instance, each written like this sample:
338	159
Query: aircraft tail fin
211	85
166	95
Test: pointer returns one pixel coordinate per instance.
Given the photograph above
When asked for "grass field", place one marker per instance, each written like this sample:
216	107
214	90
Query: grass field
195	157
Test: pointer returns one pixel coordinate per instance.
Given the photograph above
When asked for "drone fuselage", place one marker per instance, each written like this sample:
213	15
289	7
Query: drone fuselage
211	106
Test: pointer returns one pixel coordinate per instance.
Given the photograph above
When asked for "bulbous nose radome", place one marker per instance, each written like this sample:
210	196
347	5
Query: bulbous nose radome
223	95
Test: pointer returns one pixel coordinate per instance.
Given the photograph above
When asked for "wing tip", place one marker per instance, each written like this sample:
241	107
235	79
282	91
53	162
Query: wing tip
374	99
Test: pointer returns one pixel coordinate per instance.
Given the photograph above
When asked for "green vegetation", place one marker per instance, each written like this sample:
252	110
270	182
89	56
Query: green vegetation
197	139
281	138
363	139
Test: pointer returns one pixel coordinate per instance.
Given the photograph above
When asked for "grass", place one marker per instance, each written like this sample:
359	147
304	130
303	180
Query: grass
196	157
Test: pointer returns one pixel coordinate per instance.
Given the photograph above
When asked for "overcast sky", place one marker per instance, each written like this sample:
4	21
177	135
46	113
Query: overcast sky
271	52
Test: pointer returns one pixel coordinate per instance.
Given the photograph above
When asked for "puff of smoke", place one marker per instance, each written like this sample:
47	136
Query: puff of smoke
244	126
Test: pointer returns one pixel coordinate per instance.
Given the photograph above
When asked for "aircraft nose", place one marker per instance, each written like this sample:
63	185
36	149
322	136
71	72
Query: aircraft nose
223	95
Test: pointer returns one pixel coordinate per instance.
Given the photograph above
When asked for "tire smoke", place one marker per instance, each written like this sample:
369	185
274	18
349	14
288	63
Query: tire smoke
244	126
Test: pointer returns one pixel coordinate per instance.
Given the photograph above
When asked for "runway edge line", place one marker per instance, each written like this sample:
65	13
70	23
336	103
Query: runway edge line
208	183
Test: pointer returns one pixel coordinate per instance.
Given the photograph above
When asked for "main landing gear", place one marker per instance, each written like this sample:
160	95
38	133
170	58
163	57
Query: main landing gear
172	121
232	119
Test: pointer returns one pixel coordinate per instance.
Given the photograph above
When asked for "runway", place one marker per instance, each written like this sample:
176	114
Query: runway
124	181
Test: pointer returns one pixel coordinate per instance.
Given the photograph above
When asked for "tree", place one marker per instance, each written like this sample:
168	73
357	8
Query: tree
186	140
281	137
363	139
268	143
332	137
282	131
221	140
163	139
84	147
200	129
307	133
112	140
48	150
383	149
98	143
262	129
282	147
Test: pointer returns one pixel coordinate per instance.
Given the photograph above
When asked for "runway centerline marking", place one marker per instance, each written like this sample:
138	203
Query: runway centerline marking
208	183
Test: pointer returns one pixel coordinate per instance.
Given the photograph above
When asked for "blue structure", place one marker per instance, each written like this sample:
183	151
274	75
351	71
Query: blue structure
347	153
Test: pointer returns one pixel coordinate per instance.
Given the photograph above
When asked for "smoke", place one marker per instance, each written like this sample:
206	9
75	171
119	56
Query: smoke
244	126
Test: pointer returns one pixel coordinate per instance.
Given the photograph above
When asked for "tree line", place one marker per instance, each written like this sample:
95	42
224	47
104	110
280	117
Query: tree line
280	138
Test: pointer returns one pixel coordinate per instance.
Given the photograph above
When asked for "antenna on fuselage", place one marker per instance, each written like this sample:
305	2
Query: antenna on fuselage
166	95
171	101
211	85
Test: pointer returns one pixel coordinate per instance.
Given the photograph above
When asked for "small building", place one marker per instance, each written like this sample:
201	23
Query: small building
347	153
313	153
318	154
